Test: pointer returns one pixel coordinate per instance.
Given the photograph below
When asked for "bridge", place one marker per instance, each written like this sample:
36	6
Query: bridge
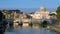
26	22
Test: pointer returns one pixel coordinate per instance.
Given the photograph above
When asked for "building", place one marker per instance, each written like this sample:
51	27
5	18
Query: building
41	14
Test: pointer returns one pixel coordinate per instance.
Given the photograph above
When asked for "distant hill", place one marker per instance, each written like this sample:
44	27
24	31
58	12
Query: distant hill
29	10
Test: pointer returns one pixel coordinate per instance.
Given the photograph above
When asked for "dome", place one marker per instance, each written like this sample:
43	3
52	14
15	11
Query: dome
42	8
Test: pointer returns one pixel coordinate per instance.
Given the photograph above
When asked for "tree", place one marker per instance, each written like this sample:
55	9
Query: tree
52	14
3	23
1	15
58	13
44	23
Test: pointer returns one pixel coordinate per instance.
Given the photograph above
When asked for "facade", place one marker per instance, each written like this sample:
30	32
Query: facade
41	14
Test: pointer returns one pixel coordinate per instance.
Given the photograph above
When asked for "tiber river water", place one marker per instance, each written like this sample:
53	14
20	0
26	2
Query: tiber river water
29	30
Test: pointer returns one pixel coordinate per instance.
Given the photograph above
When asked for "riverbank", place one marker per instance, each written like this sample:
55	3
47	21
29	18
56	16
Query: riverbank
53	28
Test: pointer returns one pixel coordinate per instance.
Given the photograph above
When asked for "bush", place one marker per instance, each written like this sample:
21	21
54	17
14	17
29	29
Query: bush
44	23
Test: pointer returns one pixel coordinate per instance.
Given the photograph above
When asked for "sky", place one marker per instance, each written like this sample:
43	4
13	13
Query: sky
17	4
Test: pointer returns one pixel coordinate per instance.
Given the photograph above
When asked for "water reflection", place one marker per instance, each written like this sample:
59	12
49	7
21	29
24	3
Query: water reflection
28	30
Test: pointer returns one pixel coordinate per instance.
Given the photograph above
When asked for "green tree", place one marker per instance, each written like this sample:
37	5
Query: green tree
44	23
58	13
1	15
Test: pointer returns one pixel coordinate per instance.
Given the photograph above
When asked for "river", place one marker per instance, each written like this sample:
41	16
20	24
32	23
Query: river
29	30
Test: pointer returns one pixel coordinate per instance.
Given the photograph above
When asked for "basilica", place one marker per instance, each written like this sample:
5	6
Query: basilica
42	13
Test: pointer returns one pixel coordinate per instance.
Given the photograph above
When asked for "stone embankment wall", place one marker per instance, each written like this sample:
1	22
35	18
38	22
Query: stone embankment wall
57	29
